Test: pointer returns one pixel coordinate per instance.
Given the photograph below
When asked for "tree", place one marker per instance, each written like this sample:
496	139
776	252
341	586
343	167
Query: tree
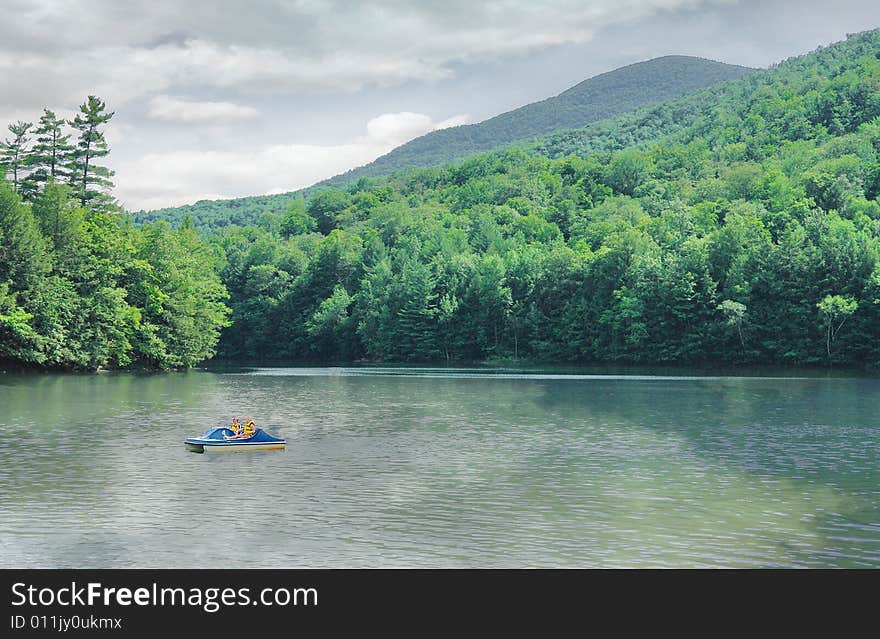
834	311
329	325
446	309
23	265
51	153
14	152
18	340
628	170
89	179
23	257
325	206
296	221
58	216
833	183
180	297
734	314
414	334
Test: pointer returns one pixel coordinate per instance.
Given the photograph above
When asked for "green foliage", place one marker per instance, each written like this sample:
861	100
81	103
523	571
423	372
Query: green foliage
325	207
834	311
59	218
329	326
80	286
749	232
592	100
181	298
296	221
83	288
737	224
50	159
14	152
212	215
18	339
23	258
628	171
90	179
597	98
54	160
735	315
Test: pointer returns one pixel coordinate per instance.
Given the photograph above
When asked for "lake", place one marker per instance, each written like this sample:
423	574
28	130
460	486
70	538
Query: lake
441	467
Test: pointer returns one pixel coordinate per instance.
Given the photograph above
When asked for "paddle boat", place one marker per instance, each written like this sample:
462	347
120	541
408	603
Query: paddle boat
224	439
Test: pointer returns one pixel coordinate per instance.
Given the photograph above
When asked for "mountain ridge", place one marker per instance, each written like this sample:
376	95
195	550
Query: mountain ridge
739	224
573	108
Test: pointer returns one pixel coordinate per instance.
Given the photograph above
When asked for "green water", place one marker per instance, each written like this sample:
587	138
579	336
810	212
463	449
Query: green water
441	467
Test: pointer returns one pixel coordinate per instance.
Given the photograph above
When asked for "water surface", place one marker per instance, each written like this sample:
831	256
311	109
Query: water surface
441	468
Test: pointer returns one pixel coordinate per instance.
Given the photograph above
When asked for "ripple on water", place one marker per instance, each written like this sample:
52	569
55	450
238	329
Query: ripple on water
442	467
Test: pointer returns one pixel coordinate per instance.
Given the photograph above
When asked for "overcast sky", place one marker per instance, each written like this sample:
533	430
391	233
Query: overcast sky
229	98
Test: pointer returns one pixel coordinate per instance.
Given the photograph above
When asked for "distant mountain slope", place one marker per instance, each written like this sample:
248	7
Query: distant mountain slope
738	224
595	99
603	96
212	214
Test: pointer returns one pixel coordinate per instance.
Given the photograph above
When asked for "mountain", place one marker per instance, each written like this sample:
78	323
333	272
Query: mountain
739	224
595	99
736	225
603	96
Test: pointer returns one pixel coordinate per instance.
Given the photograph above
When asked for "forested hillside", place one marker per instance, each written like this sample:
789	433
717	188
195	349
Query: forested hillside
210	215
598	98
80	287
738	225
748	234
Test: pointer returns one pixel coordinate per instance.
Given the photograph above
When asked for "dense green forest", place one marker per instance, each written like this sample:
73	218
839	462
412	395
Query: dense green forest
748	233
80	286
210	215
598	98
740	224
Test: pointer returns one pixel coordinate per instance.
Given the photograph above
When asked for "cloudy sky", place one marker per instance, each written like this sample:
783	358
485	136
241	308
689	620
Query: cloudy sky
229	98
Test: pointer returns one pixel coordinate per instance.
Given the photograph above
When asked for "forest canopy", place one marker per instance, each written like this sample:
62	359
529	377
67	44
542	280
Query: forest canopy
740	224
80	286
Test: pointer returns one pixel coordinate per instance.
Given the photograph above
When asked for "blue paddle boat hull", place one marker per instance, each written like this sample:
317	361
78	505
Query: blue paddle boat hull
218	440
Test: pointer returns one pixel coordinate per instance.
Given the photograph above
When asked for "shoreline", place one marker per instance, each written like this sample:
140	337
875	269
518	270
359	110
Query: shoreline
525	366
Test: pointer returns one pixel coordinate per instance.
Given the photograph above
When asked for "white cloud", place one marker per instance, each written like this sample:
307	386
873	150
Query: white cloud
455	120
180	177
393	129
171	109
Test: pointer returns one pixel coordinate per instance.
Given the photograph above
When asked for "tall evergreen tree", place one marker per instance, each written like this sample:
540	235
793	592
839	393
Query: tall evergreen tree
51	153
14	153
90	180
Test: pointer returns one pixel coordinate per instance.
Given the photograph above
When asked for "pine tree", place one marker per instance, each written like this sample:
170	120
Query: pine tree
59	218
51	153
90	181
14	154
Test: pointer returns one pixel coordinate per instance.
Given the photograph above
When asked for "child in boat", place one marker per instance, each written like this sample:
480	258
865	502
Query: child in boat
243	432
236	426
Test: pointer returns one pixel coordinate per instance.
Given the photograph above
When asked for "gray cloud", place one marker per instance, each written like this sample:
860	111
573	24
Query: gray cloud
286	46
292	83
